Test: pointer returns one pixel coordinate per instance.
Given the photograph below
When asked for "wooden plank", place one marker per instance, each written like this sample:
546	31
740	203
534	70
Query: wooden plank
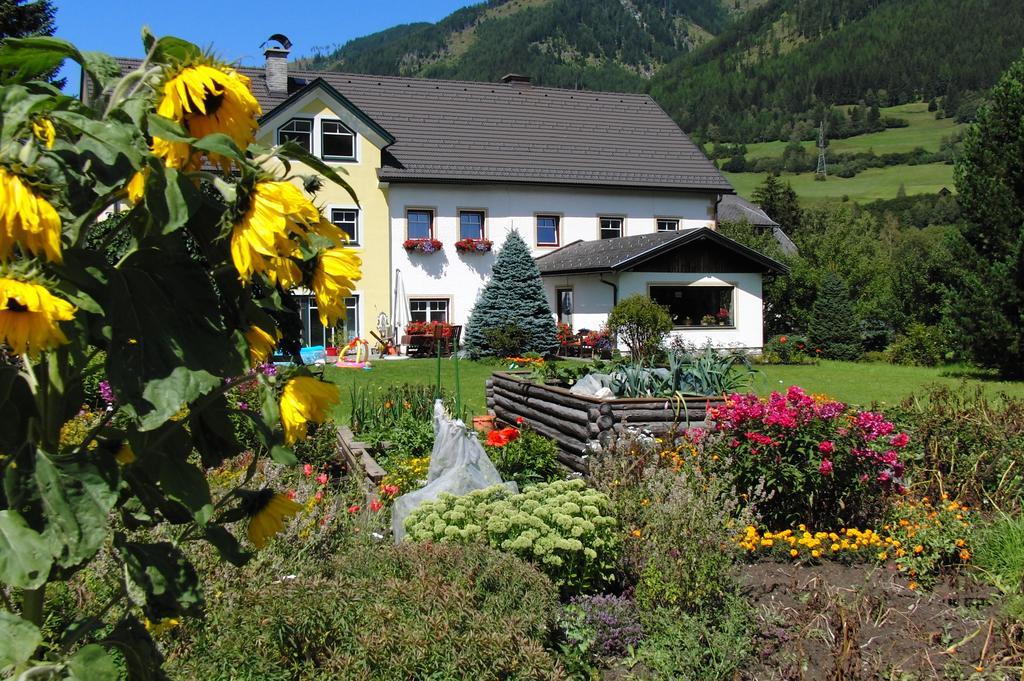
560	410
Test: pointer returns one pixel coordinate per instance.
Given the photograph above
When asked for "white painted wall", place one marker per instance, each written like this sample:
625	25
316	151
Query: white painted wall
459	278
593	300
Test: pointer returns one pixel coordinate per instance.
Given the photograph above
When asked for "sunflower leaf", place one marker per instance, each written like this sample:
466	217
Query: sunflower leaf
25	557
20	637
92	663
159	578
171	49
219	143
293	151
34	58
168	395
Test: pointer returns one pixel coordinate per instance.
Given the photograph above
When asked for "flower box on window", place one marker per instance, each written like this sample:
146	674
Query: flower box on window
474	245
415	328
422	245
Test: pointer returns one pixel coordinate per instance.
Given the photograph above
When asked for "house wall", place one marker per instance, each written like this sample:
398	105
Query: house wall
459	278
592	302
374	289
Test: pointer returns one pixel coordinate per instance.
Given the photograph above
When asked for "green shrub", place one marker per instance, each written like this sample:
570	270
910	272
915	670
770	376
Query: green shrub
320	448
788	349
506	340
641	324
409	438
563	527
919	345
833	324
528	459
412	611
999	553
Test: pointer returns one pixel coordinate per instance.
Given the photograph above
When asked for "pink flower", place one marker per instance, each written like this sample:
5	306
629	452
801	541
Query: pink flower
827	447
354	508
376	505
307	469
826	467
899	440
319	495
322	478
734	443
390	490
291	494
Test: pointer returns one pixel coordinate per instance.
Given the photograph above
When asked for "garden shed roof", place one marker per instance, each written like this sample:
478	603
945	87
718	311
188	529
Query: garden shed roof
632	252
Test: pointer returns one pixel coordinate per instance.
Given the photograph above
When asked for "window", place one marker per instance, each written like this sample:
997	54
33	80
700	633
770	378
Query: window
420	224
298	130
315	333
336	141
471	224
668	225
347	219
426	310
696	305
611	228
547	230
564	305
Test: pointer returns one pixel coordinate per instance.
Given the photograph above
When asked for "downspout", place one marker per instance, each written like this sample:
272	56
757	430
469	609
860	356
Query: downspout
718	200
615	290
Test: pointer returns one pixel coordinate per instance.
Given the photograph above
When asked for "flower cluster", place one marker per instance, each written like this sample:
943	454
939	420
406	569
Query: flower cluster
500	438
818	459
600	339
429	328
516	362
802	544
474	245
422	245
405	476
564	334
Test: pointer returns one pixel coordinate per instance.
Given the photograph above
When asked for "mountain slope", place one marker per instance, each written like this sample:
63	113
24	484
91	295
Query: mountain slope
591	44
791	58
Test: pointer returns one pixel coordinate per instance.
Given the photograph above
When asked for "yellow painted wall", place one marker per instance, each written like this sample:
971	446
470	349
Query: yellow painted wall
374	290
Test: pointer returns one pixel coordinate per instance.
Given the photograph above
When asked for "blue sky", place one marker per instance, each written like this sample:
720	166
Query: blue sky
235	30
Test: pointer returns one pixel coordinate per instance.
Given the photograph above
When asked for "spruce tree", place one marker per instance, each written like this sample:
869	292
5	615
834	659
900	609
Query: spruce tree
833	328
512	299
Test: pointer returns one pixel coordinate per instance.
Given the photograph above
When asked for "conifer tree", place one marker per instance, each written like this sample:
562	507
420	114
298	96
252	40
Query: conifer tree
513	299
833	328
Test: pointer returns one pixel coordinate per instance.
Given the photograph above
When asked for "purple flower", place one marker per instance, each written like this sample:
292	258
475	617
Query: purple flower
427	246
610	623
107	393
268	369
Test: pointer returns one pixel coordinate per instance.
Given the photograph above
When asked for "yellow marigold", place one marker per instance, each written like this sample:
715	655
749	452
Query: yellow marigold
883	556
965	555
30	317
269	512
27	220
337	270
304	399
919	548
205	99
261	343
261	239
816	553
636	533
44	131
794	553
912	586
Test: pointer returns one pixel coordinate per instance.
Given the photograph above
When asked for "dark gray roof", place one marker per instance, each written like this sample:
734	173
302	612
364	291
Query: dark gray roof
736	209
624	253
465	131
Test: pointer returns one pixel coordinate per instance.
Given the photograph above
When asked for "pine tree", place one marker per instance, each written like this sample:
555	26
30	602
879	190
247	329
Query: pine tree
833	328
780	202
18	19
512	299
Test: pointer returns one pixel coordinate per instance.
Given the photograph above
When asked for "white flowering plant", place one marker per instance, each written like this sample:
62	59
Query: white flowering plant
563	527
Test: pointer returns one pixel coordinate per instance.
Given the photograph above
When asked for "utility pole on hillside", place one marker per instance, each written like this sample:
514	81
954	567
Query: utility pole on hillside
822	170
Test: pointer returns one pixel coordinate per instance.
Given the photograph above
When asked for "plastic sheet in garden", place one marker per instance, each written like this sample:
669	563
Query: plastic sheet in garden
458	465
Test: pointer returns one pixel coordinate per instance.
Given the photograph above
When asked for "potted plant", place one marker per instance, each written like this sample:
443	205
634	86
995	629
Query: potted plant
422	245
722	316
708	320
469	245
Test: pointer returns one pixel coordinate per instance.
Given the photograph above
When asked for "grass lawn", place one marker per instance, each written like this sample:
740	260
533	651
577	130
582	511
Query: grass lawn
854	382
869	185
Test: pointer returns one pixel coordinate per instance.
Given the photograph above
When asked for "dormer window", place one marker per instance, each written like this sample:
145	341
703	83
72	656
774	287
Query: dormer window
336	141
299	130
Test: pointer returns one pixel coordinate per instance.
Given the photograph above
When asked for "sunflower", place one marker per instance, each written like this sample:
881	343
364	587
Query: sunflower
304	399
270	510
29	316
260	343
136	186
204	99
261	239
336	272
27	219
44	131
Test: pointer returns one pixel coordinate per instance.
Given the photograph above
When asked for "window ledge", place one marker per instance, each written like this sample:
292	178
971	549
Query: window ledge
727	327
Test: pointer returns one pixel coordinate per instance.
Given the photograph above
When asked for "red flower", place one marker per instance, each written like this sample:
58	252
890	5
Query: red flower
354	508
899	440
520	420
500	438
322	478
783	339
319	495
826	467
307	470
390	490
827	447
291	494
376	505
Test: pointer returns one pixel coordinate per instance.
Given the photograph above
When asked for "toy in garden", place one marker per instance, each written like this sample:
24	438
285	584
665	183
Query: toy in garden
362	355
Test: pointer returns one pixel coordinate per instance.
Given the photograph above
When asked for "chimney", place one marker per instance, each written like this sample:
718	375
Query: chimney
515	79
276	68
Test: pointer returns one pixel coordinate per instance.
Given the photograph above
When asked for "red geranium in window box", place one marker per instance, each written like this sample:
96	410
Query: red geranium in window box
422	245
415	328
474	245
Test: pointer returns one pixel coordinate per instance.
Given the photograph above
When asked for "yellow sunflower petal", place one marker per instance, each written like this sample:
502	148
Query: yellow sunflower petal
30	317
304	399
261	240
336	272
261	343
27	220
270	519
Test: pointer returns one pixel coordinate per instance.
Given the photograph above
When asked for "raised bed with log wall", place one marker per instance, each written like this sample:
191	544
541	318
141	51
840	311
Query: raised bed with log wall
574	421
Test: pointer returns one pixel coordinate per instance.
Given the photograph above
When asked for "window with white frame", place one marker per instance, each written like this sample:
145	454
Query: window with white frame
668	225
696	305
471	224
420	224
347	220
298	130
547	230
428	309
611	228
315	333
337	142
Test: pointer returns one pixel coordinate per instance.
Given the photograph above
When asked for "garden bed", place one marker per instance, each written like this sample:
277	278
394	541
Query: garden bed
574	421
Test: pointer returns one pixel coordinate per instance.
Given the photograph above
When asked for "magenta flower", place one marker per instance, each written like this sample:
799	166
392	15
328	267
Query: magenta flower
826	467
826	447
899	440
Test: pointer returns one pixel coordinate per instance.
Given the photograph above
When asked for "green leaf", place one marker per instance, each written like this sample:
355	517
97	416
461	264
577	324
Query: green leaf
166	129
171	49
18	639
92	663
17	406
34	58
283	455
107	140
76	497
169	395
227	545
186	484
219	143
159	578
213	433
25	557
141	656
292	150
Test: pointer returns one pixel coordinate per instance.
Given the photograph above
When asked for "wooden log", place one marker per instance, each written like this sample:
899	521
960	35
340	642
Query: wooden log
554	408
573	461
373	470
569	445
509	410
654	415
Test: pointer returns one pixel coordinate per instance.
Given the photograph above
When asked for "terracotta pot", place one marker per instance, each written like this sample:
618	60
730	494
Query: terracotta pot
483	424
